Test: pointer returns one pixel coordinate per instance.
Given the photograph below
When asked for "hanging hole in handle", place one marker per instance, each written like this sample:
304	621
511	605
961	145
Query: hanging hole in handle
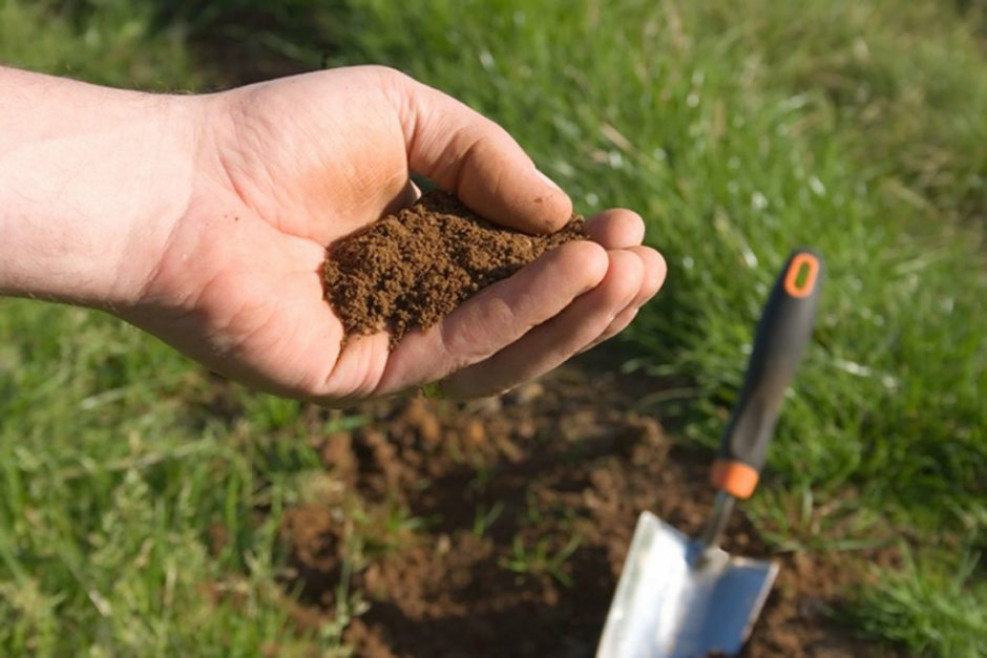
801	277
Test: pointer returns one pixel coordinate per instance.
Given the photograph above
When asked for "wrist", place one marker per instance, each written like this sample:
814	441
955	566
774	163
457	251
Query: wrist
91	180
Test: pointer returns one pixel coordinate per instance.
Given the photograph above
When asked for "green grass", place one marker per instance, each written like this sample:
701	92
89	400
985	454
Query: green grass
928	608
115	45
114	466
739	130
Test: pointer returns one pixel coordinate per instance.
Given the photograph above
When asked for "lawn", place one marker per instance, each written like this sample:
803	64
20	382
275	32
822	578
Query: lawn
738	130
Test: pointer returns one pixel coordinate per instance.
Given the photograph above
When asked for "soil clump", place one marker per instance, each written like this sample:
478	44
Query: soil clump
409	270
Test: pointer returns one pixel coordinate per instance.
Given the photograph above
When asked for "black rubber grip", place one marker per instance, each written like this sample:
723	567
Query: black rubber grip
783	332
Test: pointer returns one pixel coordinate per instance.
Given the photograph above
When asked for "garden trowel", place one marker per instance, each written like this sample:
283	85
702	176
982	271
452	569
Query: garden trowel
682	597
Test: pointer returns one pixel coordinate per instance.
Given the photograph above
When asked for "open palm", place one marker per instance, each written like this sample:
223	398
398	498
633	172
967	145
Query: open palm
287	167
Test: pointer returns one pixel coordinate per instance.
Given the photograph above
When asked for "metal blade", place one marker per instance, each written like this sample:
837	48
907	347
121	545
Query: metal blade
670	603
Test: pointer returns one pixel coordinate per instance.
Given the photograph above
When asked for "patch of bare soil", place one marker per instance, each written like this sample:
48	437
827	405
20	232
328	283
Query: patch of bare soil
526	506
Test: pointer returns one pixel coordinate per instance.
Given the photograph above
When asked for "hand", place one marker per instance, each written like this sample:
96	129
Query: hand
220	254
287	167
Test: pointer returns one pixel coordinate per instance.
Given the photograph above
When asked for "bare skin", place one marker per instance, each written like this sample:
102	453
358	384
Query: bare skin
204	221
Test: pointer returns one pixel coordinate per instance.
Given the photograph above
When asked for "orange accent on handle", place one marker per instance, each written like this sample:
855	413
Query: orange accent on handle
736	478
792	286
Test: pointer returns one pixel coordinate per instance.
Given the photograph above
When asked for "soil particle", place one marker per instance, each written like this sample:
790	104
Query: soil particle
409	270
525	508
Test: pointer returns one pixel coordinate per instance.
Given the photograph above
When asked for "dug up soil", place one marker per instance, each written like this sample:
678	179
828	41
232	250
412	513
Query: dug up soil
499	527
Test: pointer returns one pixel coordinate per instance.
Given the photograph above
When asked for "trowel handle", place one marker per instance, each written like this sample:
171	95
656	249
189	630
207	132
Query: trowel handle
782	335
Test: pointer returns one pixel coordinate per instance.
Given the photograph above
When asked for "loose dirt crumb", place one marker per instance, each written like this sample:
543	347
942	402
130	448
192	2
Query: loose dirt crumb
409	270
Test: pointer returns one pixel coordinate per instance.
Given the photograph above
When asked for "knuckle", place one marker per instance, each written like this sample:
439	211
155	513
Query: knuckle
387	74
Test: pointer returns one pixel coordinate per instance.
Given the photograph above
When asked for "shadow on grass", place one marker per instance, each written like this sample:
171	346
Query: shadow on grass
236	42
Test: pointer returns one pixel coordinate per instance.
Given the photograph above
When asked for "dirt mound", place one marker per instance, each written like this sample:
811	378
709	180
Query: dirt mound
499	527
410	269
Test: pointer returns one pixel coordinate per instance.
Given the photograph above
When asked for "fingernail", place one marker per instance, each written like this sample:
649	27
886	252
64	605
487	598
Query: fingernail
547	179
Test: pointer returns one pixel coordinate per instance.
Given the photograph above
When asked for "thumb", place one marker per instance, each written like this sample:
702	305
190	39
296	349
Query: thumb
467	154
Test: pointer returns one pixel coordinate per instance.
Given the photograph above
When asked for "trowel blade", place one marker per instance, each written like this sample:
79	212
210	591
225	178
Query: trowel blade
671	604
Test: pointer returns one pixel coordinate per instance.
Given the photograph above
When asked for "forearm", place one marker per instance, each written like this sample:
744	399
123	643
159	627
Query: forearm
89	178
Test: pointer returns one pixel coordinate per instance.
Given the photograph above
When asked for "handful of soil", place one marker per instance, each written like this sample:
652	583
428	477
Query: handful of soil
408	270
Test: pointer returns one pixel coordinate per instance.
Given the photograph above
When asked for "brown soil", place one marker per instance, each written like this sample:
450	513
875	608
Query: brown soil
409	270
499	527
